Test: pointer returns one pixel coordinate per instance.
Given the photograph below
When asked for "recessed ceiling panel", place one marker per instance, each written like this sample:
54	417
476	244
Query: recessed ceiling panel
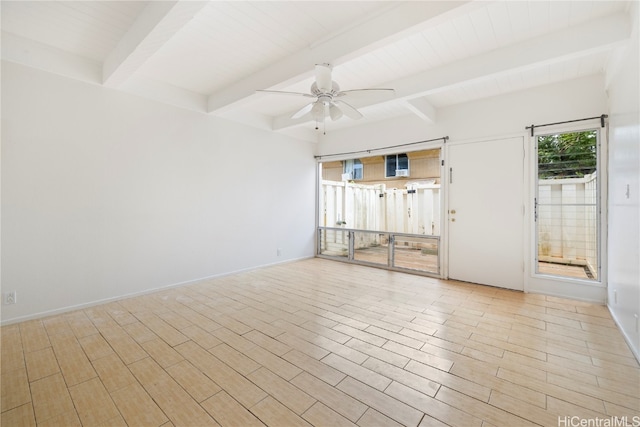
521	80
227	41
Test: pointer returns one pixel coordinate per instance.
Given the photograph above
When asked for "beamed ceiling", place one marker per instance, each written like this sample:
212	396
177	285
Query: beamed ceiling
212	56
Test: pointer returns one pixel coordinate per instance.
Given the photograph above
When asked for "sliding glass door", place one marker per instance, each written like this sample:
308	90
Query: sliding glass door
382	210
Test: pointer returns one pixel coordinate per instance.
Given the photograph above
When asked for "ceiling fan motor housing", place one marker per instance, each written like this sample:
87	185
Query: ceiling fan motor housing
335	88
325	98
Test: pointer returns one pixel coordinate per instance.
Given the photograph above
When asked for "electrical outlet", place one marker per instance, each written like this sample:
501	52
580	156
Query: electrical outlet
636	316
279	251
10	298
615	296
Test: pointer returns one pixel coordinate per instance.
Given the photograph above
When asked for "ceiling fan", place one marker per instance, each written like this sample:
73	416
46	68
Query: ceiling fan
329	99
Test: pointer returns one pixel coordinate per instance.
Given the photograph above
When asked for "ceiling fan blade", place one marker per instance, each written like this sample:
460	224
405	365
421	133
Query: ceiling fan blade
334	111
304	110
323	77
349	111
280	92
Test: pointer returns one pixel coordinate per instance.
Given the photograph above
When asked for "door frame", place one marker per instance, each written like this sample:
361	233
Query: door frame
446	199
558	286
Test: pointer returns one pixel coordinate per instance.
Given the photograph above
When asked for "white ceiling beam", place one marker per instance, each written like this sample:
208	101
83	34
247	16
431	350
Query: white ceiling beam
165	93
44	57
400	19
156	24
591	37
421	108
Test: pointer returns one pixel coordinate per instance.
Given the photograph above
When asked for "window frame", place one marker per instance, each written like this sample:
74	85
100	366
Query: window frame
352	166
600	200
397	161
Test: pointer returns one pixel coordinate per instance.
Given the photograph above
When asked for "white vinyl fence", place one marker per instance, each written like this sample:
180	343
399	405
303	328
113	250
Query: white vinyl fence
413	210
567	221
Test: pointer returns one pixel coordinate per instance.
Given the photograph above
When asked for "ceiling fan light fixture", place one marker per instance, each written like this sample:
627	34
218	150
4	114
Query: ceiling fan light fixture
317	111
335	112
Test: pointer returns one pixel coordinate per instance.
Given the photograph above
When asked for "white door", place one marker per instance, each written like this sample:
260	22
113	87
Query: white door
486	212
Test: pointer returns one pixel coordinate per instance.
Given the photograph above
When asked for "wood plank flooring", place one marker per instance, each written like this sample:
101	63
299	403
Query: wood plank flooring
321	343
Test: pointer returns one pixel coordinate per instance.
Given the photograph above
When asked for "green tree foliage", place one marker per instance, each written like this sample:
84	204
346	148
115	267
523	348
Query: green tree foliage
567	155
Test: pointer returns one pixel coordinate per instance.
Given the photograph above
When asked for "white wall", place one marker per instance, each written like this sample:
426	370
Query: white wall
494	118
624	210
490	117
106	194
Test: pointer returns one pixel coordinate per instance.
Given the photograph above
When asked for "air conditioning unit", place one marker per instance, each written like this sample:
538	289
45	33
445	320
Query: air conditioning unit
346	176
402	172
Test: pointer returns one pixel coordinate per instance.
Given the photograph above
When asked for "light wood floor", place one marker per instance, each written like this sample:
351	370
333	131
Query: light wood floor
323	343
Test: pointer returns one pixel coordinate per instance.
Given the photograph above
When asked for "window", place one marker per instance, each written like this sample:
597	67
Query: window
394	163
352	169
567	202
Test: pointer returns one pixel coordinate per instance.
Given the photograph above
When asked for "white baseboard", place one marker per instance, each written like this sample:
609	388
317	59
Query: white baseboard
135	294
634	350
